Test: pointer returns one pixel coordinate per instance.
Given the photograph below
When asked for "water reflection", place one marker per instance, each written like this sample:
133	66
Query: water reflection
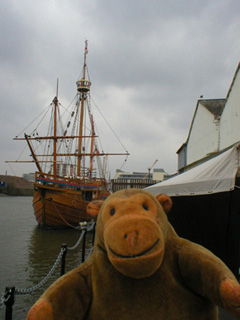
28	252
44	247
43	250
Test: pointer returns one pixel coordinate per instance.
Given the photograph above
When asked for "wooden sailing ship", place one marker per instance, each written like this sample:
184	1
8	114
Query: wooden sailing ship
65	181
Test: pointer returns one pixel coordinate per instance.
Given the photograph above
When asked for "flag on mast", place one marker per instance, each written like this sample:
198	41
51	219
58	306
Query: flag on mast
86	46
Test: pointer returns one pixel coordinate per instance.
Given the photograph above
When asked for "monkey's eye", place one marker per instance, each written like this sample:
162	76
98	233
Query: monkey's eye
112	211
145	207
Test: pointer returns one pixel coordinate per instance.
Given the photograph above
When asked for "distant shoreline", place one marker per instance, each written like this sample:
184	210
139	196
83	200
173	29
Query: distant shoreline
15	186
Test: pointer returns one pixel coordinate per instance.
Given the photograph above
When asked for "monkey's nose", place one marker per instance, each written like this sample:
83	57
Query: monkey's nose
131	238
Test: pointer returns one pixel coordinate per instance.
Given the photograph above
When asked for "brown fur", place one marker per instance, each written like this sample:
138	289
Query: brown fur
140	269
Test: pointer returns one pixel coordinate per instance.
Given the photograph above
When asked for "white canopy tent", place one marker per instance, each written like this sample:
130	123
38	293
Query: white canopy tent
213	176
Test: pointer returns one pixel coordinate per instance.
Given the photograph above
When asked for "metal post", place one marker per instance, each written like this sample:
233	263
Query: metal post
9	302
93	237
64	246
84	245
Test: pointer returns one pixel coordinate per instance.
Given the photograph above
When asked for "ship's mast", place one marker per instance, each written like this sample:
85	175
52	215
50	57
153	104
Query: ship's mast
55	101
92	149
33	153
83	86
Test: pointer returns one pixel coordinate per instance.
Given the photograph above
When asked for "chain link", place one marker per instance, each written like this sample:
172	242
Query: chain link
78	242
4	299
92	226
37	286
85	228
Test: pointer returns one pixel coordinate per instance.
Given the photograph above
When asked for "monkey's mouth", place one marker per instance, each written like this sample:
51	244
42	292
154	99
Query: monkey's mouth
136	255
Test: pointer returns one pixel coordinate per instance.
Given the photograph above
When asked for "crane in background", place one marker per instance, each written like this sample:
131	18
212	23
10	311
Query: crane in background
149	170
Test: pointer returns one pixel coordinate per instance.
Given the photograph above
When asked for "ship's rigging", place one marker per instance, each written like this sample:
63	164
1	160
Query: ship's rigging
66	153
71	137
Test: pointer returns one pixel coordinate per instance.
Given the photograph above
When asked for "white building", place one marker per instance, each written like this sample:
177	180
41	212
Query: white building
29	176
157	174
215	127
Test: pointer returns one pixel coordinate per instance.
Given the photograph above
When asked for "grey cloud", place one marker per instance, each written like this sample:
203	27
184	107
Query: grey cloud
149	63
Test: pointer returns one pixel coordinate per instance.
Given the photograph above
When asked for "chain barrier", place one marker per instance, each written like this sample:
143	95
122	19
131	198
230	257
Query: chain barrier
37	286
85	228
90	252
5	297
8	294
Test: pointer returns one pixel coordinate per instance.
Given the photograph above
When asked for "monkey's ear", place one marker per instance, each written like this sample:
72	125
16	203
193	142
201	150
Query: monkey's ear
165	201
93	207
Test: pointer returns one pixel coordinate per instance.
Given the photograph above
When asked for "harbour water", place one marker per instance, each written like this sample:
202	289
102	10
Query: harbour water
27	252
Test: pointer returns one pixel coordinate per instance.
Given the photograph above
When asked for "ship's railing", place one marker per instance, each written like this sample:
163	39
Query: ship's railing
8	298
48	179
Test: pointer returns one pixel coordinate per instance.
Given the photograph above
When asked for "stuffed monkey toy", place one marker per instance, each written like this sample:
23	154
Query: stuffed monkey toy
140	269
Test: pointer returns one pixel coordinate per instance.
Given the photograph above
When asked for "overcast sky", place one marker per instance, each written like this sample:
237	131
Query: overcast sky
149	62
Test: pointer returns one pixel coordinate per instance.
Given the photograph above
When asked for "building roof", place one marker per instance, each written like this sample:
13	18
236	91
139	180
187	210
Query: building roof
158	170
182	147
215	106
233	80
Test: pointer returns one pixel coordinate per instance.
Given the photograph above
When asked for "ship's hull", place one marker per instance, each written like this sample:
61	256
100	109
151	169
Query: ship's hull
60	208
